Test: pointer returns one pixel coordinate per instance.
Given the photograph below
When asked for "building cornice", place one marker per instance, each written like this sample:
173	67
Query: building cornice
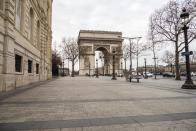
100	39
100	32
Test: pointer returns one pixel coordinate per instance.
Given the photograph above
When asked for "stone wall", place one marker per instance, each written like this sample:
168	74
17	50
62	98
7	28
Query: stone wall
18	41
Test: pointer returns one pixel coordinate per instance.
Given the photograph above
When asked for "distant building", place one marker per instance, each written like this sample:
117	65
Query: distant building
25	42
167	68
151	69
192	67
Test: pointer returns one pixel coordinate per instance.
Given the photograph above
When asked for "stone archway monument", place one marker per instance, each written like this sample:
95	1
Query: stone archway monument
105	41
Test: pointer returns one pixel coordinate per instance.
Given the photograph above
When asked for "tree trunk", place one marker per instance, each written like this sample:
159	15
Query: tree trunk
155	66
177	62
72	74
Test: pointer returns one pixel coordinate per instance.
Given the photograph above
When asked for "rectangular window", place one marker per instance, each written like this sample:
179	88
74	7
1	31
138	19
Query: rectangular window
1	5
30	66
18	63
37	68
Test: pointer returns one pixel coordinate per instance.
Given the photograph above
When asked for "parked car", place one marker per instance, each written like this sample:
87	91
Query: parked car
148	74
134	75
120	75
168	74
183	73
193	74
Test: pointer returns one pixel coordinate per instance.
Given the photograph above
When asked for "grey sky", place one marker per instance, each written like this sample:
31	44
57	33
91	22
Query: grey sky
128	16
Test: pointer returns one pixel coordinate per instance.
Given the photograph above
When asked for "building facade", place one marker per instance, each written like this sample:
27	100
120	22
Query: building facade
25	42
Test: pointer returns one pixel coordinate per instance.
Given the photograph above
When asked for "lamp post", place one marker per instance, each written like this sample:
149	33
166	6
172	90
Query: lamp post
125	66
63	69
145	75
137	55
68	59
97	68
113	64
155	67
171	68
103	63
89	67
188	83
121	68
130	50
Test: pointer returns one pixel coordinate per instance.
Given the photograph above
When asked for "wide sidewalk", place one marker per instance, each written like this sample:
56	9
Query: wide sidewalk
99	104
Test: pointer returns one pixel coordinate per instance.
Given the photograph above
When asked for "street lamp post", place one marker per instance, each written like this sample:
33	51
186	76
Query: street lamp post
137	62
188	83
155	67
63	69
89	67
68	59
121	68
125	66
132	38
97	75
103	63
130	57
145	75
113	64
103	70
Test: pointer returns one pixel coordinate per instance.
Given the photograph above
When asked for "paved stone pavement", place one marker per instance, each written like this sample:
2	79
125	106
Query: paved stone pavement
91	104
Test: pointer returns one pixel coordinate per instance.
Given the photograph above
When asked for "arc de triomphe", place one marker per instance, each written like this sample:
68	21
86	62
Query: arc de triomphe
105	41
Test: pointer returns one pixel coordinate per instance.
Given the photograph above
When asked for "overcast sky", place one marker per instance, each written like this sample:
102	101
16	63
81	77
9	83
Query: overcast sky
130	17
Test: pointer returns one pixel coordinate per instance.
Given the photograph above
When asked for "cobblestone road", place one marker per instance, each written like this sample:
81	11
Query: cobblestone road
90	104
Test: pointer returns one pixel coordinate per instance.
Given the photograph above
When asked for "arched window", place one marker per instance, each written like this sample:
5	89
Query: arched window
31	23
18	14
38	34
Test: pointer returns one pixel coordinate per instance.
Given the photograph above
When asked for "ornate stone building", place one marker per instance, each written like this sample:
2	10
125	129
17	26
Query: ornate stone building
25	42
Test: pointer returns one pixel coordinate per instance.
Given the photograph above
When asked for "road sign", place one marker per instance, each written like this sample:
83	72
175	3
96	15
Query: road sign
187	53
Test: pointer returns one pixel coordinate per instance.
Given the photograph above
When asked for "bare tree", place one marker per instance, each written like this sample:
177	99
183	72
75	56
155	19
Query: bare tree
153	43
125	56
191	5
56	60
168	28
168	57
71	51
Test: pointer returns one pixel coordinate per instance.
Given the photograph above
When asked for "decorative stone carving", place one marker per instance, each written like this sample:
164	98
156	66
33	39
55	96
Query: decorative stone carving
85	49
86	62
